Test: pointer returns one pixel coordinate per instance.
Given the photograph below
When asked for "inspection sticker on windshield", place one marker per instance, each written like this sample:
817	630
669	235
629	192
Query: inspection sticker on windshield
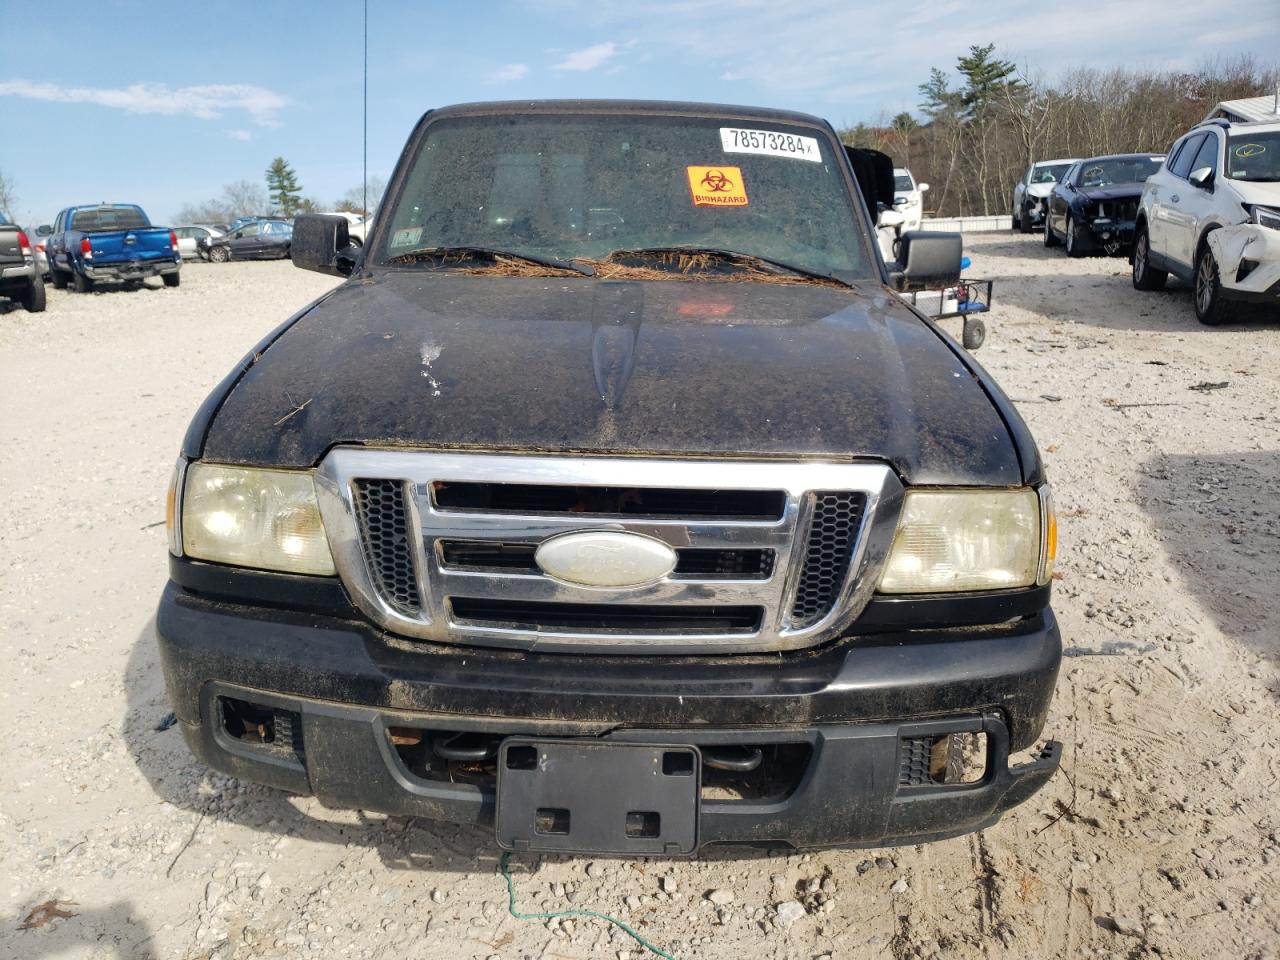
717	187
736	140
406	237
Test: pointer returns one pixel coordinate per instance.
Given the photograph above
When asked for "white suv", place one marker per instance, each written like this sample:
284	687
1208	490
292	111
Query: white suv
1211	216
908	199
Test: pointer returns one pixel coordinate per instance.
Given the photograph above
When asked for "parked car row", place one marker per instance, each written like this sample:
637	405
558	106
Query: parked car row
91	244
1207	212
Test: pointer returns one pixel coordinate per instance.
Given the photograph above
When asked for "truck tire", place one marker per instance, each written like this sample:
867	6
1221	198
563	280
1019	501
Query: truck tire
34	299
1146	277
1049	239
171	279
80	283
1212	308
57	278
219	255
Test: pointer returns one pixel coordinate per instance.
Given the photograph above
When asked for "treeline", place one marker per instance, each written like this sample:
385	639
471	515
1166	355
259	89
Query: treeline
985	122
282	196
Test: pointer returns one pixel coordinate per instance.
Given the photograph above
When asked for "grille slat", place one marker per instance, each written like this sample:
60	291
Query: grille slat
384	532
837	515
692	563
607	617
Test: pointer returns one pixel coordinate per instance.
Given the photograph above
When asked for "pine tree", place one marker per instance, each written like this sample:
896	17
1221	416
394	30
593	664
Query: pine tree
904	123
283	186
985	78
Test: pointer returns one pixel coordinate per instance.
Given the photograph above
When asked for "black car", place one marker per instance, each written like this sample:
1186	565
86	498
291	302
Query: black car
1093	207
685	531
255	240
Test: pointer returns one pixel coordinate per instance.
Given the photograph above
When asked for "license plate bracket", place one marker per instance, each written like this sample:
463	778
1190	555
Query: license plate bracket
576	796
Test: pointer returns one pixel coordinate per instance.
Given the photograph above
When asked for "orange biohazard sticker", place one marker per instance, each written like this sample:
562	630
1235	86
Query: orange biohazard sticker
717	187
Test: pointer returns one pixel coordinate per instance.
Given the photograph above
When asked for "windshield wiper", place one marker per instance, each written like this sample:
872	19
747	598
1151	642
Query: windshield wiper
413	256
767	264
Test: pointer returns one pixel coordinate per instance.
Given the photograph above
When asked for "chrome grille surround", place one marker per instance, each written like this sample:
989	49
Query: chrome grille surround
800	481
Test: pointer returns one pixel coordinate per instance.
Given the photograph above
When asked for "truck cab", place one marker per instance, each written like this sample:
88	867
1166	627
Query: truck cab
617	503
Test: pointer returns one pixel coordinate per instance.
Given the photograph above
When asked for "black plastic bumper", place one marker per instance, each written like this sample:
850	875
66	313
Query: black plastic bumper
854	704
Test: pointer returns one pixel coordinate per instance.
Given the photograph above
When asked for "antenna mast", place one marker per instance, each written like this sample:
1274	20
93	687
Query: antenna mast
364	170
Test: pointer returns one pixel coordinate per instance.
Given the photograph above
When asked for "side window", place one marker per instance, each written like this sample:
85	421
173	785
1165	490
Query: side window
1207	155
250	230
1180	165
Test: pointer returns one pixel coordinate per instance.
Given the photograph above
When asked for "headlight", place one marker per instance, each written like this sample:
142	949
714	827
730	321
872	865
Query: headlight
1265	216
956	540
268	519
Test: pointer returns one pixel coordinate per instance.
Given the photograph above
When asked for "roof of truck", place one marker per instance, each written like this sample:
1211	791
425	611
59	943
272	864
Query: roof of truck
667	107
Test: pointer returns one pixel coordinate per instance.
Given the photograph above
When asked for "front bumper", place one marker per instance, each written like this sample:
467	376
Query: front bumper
1248	258
1034	209
854	704
139	270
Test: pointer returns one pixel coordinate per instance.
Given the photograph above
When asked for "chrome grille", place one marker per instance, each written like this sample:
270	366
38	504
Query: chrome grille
832	534
438	546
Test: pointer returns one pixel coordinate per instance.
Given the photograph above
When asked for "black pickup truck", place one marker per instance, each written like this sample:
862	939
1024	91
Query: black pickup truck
618	503
20	280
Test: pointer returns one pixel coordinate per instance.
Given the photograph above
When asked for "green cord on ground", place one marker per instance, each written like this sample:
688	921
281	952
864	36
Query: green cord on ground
511	908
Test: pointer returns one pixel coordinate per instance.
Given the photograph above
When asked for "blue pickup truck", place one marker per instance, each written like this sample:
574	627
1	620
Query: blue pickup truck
110	241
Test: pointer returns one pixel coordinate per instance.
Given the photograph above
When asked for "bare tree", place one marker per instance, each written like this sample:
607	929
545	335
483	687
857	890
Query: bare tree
243	198
354	199
8	195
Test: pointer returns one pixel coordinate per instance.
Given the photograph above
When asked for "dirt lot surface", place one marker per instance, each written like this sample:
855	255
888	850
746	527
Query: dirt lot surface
1159	836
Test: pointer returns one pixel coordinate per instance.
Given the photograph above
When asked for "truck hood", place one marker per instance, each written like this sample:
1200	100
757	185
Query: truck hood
451	360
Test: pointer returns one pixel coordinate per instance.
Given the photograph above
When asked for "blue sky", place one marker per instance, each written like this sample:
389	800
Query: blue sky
163	104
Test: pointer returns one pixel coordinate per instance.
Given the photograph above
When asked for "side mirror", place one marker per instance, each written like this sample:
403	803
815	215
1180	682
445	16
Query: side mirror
322	242
923	187
44	230
1201	177
899	200
927	260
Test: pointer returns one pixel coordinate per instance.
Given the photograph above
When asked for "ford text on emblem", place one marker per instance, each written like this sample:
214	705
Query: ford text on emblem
605	558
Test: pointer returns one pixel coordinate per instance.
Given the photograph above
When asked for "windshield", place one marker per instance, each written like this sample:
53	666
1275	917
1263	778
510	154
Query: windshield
1254	157
1049	173
1105	173
569	187
902	183
102	219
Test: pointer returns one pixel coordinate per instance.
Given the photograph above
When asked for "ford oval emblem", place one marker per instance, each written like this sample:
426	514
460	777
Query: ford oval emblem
605	558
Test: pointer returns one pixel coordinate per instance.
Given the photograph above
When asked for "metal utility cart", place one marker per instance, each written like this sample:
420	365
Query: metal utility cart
968	298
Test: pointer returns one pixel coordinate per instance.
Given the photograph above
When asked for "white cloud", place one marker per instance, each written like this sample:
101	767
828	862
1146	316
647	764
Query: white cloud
510	72
859	56
208	102
243	136
589	58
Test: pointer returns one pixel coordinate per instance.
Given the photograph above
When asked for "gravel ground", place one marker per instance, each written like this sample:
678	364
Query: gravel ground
1159	836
